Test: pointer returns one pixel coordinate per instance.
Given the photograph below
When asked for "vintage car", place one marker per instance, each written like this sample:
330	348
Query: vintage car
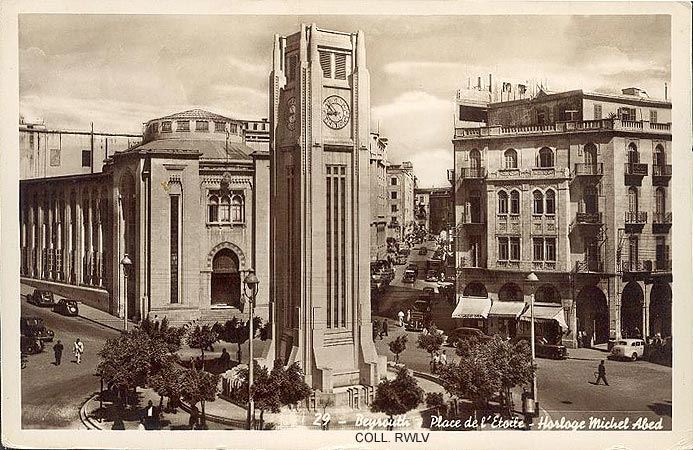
464	333
413	267
409	276
431	275
41	297
30	345
66	307
628	349
404	251
33	327
423	251
401	260
543	349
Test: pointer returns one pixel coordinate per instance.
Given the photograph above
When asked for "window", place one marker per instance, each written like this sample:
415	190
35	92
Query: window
632	200
597	112
182	125
550	249
502	203
626	114
326	64
633	156
393	181
633	255
393	195
514	202
514	249
155	127
219	127
503	249
237	209
55	157
510	156
213	209
254	127
546	157
233	128
537	202
393	208
541	118
659	156
201	125
174	248
653	116
225	209
538	247
293	64
86	158
340	69
550	202
474	159
660	205
166	127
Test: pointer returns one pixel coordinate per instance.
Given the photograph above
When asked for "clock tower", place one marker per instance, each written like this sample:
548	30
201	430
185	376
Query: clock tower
320	284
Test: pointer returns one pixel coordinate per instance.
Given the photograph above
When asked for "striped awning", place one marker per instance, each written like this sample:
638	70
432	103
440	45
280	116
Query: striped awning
544	312
507	309
471	308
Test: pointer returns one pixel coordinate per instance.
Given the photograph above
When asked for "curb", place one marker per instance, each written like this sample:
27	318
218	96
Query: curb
88	423
239	424
120	330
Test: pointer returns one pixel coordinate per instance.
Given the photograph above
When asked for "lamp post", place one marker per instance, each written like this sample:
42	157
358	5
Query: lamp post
251	284
531	279
126	262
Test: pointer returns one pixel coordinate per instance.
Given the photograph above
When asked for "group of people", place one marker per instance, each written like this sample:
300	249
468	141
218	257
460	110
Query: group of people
439	359
380	329
77	349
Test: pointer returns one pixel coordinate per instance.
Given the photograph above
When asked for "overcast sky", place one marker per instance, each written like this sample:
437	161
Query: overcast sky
120	71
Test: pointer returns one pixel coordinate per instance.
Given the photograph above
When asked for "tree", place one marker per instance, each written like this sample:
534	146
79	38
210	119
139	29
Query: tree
168	383
266	392
291	383
435	400
237	332
512	364
172	336
202	337
398	345
431	341
398	396
198	386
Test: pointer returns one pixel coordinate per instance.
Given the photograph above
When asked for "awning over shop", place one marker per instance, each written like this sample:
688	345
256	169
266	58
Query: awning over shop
471	308
544	312
507	309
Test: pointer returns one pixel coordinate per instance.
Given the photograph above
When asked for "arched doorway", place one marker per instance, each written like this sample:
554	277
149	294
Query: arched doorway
226	279
592	315
660	310
546	293
475	289
510	292
631	310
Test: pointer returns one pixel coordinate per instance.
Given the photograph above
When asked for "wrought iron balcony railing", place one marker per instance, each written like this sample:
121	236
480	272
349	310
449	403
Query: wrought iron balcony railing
472	172
636	266
635	217
662	265
661	170
589	265
636	169
587	169
659	218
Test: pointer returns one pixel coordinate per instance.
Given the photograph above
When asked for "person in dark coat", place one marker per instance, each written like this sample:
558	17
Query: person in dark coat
376	329
151	416
58	350
601	373
224	359
384	330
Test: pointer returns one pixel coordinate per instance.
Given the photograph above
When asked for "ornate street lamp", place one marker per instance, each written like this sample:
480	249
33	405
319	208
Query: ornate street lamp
126	262
250	286
531	279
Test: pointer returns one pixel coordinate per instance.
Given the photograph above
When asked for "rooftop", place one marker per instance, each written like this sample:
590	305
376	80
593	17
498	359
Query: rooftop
195	114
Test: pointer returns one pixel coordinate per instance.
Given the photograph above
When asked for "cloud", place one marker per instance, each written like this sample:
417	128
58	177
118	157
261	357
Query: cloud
430	164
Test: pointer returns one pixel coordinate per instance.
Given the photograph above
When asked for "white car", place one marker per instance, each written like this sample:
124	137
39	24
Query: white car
628	348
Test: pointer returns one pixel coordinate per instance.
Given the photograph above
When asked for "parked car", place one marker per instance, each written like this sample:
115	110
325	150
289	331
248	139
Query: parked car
429	292
431	275
33	327
30	345
543	349
463	333
66	307
405	251
41	297
413	267
423	251
628	348
409	276
401	259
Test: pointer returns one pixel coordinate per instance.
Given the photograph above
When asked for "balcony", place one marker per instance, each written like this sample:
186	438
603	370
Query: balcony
471	219
661	222
635	169
587	220
589	266
636	266
635	218
662	265
589	170
661	174
472	173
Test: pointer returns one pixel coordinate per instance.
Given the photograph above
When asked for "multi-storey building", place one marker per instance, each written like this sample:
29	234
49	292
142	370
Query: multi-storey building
434	209
572	186
422	207
401	186
379	193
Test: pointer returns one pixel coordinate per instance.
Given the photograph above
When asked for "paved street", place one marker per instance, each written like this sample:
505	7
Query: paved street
52	396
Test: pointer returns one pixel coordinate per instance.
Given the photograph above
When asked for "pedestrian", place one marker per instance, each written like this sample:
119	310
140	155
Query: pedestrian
194	416
400	317
408	315
150	415
376	329
58	350
118	424
224	359
601	373
141	426
384	329
434	362
78	350
443	359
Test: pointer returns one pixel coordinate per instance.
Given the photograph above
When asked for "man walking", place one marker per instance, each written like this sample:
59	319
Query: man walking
58	350
400	317
601	373
78	349
384	329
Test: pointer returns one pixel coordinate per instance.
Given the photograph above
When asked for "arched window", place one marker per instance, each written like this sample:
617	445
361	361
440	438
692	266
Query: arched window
237	209
659	156
590	154
546	157
474	159
632	200
213	209
538	202
502	202
225	209
514	202
510	156
660	205
633	156
591	200
550	202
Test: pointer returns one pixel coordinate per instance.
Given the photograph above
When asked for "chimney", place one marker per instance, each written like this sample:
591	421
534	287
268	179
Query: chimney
490	80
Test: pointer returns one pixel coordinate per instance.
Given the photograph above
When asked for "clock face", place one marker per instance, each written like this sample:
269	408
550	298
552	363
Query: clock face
335	112
291	117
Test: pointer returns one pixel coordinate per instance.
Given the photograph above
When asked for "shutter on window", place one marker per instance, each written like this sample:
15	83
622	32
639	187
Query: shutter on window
340	66
326	64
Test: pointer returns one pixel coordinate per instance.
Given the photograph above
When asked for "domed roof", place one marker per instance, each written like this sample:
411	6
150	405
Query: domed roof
195	114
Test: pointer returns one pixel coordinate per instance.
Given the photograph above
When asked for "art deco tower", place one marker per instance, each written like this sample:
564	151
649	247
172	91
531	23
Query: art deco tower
319	95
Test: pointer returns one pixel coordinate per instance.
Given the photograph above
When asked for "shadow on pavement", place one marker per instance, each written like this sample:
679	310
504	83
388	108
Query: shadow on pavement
661	409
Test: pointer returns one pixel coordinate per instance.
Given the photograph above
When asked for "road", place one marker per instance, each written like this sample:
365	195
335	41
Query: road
52	395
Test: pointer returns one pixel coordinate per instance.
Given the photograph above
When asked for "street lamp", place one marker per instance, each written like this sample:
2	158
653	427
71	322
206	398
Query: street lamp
531	279
251	284
126	262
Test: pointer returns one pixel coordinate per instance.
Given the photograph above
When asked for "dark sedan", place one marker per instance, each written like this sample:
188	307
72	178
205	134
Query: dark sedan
66	307
41	297
30	345
543	349
33	327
